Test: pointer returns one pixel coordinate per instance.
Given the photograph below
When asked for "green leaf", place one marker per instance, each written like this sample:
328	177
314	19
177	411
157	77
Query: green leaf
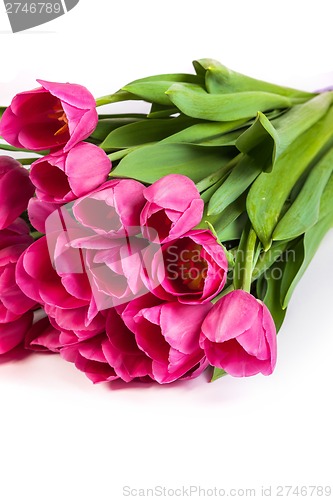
234	229
304	251
170	77
208	193
259	142
195	102
212	179
229	214
272	295
220	79
304	212
160	111
267	259
326	203
106	125
217	373
298	119
237	182
209	133
153	88
142	132
240	260
270	191
150	163
266	140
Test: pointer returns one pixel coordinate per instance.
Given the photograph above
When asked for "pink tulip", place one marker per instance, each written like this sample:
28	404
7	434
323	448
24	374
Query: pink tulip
15	306
193	270
147	340
173	207
13	333
168	334
115	267
42	336
63	177
52	116
66	296
112	209
39	211
122	351
88	357
15	190
72	281
239	335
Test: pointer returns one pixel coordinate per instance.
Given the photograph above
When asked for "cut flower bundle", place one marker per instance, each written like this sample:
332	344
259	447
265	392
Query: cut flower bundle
156	246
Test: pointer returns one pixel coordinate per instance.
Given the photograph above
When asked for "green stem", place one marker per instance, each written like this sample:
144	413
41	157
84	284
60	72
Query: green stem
223	293
101	101
26	161
248	261
36	235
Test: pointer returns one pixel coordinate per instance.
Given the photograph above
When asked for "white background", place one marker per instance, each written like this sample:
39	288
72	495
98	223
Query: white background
63	438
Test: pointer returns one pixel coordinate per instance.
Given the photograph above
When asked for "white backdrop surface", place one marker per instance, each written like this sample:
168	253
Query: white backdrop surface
62	437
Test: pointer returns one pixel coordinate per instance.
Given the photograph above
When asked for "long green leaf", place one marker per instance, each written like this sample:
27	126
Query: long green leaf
208	133
233	231
142	132
237	182
266	140
326	203
304	212
304	251
259	141
270	191
153	89
149	163
220	79
267	259
273	279
107	125
195	102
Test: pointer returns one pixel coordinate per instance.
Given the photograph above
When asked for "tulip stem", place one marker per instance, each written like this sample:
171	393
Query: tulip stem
36	235
26	161
248	261
224	292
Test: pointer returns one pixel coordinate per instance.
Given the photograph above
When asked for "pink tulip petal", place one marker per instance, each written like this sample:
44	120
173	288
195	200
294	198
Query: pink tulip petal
12	334
230	317
253	341
231	357
15	190
38	212
181	325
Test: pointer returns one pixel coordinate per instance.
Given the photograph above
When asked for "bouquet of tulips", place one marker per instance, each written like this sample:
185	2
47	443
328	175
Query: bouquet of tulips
156	246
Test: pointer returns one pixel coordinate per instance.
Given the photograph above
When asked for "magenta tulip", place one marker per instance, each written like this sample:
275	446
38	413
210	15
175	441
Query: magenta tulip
168	334
173	207
239	335
52	116
13	333
88	357
122	351
63	177
65	295
15	306
39	211
112	209
16	189
193	270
